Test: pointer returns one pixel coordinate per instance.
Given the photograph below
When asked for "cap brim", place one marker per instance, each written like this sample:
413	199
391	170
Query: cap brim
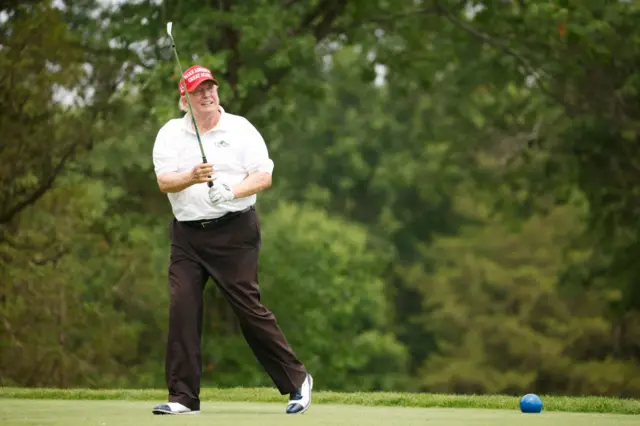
194	85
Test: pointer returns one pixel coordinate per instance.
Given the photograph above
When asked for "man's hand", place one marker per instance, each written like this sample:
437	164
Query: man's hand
202	172
219	193
179	181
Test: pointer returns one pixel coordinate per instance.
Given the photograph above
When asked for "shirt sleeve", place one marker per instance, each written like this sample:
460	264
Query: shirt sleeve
165	154
256	156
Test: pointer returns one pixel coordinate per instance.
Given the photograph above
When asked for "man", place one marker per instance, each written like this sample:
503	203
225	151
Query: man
215	233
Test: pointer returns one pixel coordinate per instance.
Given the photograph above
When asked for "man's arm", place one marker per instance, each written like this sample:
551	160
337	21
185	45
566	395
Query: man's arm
174	181
257	165
178	181
252	184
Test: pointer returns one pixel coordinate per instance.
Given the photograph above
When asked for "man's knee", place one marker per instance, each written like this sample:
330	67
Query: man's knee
254	314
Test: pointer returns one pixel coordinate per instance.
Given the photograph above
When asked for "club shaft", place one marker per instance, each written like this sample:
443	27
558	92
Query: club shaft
193	118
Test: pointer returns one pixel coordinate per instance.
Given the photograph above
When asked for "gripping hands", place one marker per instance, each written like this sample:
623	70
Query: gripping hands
220	193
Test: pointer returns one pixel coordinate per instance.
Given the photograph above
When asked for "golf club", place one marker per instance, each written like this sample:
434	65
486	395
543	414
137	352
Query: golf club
193	119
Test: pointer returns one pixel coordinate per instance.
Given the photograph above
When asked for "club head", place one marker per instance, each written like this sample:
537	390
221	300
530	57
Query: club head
169	25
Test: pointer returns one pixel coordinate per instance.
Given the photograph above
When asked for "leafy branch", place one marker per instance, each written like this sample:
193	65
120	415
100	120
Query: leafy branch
536	72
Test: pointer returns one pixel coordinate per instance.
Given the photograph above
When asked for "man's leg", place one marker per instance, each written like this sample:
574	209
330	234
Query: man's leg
183	360
261	331
233	252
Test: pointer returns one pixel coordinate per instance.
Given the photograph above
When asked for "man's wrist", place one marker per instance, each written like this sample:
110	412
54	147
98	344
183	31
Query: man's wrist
189	178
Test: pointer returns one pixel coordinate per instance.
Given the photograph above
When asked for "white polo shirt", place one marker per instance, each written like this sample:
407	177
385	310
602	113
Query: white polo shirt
234	147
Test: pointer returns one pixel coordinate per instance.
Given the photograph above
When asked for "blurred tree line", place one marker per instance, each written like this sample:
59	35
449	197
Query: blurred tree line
455	204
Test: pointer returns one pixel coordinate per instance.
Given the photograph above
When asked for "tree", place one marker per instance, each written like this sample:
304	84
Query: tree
504	320
446	134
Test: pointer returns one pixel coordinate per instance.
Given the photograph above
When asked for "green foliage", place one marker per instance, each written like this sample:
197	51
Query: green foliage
465	220
30	75
67	308
500	321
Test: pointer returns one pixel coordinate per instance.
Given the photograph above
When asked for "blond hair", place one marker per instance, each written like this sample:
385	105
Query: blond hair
182	104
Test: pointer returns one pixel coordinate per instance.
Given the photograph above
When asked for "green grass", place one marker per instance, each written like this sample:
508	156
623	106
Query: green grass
46	412
388	399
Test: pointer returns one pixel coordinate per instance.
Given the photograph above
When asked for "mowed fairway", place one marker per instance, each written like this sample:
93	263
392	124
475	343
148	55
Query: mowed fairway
130	413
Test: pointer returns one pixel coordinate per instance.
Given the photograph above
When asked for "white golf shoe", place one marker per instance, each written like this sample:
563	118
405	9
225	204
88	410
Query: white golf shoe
300	400
173	408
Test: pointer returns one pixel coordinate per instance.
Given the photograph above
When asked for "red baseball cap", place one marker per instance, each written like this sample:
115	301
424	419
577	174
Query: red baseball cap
194	76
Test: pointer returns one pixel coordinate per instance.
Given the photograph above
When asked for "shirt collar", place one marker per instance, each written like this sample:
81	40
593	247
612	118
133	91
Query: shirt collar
221	125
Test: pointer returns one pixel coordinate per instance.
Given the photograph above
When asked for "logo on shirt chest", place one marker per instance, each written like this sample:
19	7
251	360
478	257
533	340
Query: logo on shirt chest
221	144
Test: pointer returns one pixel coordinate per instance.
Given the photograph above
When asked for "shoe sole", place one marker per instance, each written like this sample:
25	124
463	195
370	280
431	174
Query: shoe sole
158	411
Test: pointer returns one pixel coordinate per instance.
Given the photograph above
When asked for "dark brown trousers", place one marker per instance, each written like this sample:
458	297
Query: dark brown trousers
228	253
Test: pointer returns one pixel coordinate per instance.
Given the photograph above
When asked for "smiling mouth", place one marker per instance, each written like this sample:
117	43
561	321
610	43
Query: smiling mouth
207	103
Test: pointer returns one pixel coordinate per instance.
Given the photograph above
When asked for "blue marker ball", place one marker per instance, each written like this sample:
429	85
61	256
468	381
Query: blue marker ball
530	403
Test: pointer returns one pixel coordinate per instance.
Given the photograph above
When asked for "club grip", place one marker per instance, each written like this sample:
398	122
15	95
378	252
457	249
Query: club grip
204	160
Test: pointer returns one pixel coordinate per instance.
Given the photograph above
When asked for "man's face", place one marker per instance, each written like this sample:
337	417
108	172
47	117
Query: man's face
205	98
